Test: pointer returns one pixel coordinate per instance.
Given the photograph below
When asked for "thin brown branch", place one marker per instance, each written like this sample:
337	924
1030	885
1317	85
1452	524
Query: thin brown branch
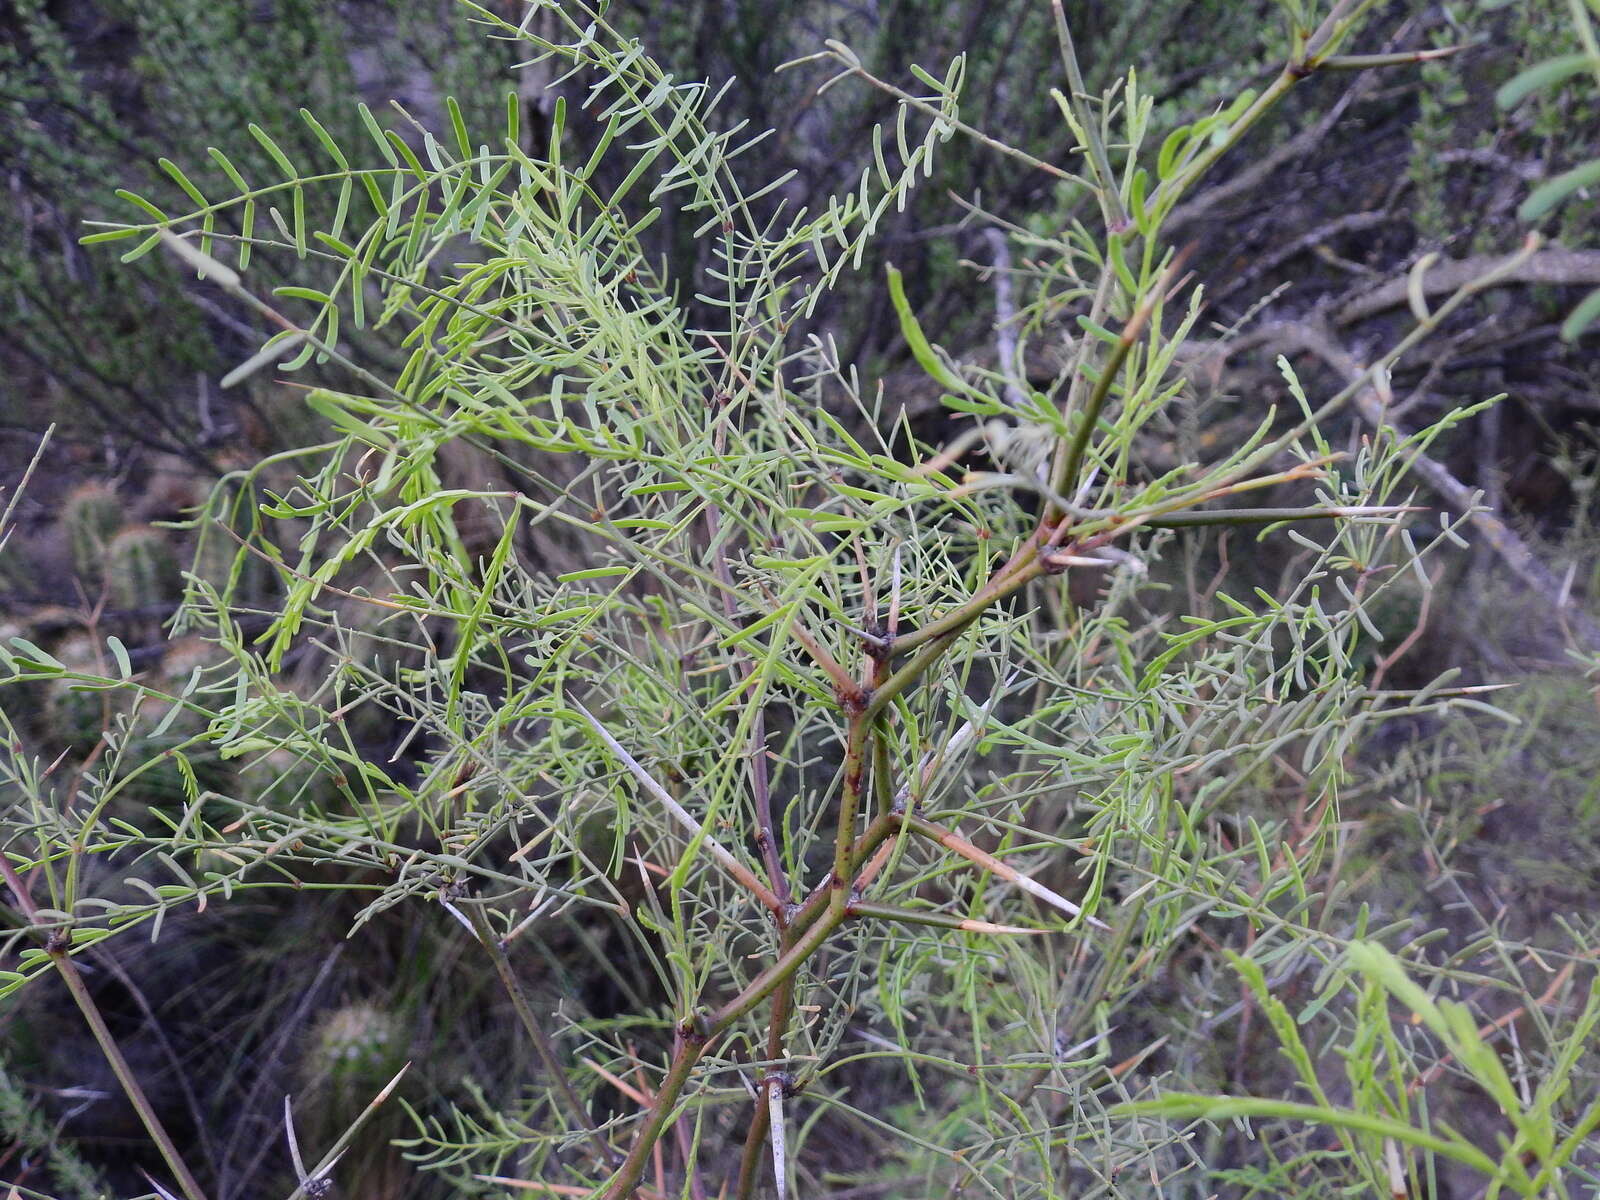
1249	180
1388	660
847	687
756	751
950	840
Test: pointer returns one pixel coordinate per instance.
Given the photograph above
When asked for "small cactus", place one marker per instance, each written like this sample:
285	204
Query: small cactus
92	514
353	1051
357	1040
141	569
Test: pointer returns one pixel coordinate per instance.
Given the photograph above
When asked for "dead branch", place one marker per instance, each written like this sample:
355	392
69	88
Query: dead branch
1552	265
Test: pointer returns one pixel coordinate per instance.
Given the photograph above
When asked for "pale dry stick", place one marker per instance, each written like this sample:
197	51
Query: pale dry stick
780	1147
772	1082
155	1186
1005	312
274	1051
681	815
1554	266
952	841
315	1185
58	946
339	1147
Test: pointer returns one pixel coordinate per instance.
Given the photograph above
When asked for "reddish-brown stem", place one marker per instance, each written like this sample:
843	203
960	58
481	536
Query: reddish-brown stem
1023	568
848	689
860	741
850	792
766	827
798	945
761	1118
813	922
686	1052
693	1040
988	862
755	1141
1069	459
816	903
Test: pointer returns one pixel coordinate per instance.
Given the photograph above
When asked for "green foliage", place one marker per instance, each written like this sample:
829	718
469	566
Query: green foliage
119	348
28	1130
1549	75
1388	1144
614	628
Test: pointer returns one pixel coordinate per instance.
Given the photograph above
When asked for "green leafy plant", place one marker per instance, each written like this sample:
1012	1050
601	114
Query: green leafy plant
722	661
1576	180
1386	1135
